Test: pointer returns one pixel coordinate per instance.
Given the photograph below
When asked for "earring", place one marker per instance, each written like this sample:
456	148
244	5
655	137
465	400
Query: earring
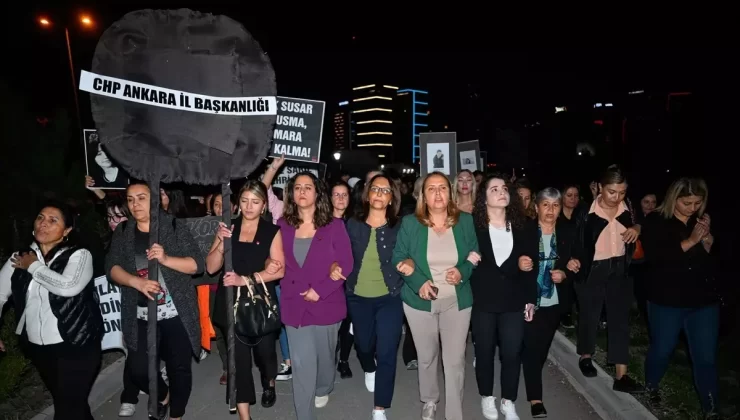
66	238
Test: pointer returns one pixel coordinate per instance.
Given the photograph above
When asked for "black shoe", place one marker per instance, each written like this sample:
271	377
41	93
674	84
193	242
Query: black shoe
587	367
538	411
344	371
162	412
654	397
268	397
567	321
627	385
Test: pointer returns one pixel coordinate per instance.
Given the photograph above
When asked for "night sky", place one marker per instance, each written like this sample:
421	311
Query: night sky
324	55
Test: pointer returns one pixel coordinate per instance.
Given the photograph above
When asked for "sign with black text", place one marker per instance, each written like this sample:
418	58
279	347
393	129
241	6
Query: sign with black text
203	230
297	135
291	169
109	298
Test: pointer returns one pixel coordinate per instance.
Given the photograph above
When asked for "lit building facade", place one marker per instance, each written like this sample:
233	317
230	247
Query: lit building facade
371	117
342	127
412	118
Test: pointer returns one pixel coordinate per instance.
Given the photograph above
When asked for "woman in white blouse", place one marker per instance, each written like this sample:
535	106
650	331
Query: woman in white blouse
59	318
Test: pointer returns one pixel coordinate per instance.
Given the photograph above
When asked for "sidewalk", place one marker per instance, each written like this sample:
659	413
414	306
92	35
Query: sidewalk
350	400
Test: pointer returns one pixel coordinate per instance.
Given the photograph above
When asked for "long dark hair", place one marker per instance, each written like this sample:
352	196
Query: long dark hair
391	212
321	217
514	211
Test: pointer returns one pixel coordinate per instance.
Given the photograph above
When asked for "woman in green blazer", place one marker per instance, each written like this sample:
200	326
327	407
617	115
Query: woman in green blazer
436	251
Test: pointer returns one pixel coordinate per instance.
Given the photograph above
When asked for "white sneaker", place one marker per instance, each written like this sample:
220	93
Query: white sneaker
379	415
127	410
509	410
429	411
370	381
285	373
488	406
321	402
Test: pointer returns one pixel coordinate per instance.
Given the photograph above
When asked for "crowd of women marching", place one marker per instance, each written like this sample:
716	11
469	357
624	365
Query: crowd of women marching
361	260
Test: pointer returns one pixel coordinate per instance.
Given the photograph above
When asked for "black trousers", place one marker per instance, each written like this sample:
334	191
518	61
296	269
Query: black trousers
639	273
69	373
174	348
130	393
607	283
220	334
409	348
504	330
538	335
566	296
265	357
346	340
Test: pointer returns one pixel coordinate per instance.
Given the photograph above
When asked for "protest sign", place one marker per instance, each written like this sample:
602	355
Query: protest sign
109	295
203	230
297	135
290	169
106	174
169	98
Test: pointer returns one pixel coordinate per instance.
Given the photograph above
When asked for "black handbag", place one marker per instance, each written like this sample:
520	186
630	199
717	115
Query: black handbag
256	314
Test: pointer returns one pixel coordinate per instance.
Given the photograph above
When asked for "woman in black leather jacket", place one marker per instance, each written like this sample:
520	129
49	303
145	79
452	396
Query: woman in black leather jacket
607	236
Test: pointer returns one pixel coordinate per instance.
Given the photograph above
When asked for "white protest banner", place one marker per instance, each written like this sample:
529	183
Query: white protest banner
298	129
110	307
168	98
292	168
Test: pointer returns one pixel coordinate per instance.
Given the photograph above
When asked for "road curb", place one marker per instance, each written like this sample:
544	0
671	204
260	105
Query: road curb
107	384
610	405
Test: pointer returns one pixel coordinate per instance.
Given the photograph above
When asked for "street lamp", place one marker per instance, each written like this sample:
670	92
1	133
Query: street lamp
85	21
337	155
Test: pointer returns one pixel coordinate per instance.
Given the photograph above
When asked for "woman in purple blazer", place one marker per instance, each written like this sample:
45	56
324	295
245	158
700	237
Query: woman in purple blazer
317	252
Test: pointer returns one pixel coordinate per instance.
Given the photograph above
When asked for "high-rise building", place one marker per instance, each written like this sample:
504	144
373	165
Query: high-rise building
342	128
372	119
411	119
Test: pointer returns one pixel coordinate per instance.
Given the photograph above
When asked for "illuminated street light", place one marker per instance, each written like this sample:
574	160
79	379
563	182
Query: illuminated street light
86	21
337	155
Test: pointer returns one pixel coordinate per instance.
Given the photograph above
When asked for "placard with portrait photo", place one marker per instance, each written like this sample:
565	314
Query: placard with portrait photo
437	153
106	174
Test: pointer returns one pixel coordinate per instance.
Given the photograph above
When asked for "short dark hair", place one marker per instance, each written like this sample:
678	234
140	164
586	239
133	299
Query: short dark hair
391	212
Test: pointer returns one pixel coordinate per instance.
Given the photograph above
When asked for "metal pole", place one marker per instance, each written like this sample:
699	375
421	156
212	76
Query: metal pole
74	81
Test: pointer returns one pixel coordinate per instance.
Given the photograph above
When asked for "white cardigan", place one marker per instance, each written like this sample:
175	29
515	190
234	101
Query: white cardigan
40	322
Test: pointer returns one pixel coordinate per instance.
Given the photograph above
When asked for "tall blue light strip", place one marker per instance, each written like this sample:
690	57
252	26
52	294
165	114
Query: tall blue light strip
414	134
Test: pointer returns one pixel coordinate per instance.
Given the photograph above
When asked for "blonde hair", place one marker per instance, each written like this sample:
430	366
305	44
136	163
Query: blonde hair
422	210
455	195
684	187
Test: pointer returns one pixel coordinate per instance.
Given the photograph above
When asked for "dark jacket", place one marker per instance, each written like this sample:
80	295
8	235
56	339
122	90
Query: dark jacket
502	288
78	317
177	241
677	278
359	236
566	235
589	228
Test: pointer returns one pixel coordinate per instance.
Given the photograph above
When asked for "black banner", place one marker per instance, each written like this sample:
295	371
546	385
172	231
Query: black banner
204	230
297	135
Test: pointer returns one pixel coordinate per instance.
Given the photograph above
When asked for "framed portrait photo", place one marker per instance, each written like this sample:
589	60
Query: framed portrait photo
106	174
438	153
469	155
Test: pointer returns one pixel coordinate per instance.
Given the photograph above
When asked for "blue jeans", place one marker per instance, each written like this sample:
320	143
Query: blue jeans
376	324
284	348
701	326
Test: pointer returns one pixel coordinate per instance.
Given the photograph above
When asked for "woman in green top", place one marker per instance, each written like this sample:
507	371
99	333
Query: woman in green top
435	251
